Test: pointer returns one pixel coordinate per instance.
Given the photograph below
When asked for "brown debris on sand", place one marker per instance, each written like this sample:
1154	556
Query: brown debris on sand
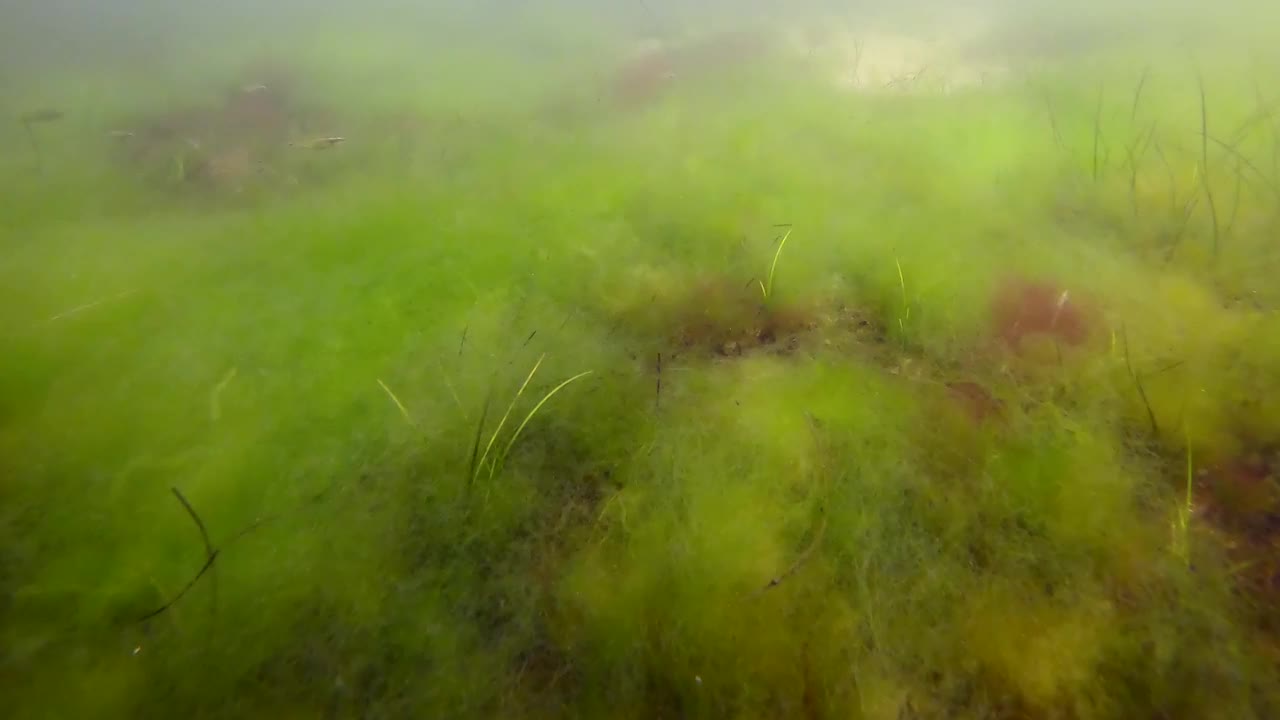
728	320
1240	499
975	401
644	78
226	145
1024	309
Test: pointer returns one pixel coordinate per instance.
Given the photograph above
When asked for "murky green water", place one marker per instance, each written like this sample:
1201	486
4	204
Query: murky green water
552	361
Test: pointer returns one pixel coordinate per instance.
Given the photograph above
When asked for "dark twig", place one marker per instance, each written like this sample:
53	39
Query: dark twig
1242	160
567	318
209	551
475	446
204	533
804	556
1137	381
657	394
1187	210
463	343
1137	94
1173	181
1235	200
208	563
213	553
1173	365
1204	161
1134	160
36	117
211	556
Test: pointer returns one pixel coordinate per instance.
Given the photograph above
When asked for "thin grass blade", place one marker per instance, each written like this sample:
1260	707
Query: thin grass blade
516	435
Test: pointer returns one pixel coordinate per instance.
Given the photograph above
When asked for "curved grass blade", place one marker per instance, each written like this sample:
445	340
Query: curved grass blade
475	446
498	430
516	435
768	291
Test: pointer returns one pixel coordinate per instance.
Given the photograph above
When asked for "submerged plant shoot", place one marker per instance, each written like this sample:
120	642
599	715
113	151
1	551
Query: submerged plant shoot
702	359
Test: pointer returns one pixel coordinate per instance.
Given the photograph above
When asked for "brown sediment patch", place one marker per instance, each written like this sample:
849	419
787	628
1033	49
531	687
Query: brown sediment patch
223	145
1025	310
714	318
642	79
1240	500
975	401
718	318
645	77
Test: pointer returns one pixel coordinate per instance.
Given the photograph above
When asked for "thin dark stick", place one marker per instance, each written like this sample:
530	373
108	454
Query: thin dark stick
463	342
919	73
475	447
213	553
1241	159
209	553
1137	94
208	563
526	340
1271	125
1187	210
204	534
35	146
1134	160
813	545
657	395
1275	150
1204	161
275	516
1053	121
1235	200
1167	367
1137	381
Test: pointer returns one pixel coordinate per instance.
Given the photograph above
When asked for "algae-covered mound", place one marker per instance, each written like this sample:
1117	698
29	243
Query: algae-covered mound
468	362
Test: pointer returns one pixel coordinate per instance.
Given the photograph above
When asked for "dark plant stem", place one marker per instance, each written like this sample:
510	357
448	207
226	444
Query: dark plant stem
1183	222
1204	162
1137	94
1137	381
1053	121
212	553
208	564
1241	160
657	394
211	556
475	446
804	556
1134	160
204	534
1235	200
1173	182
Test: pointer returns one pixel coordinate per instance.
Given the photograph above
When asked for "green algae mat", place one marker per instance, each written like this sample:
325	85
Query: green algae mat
557	360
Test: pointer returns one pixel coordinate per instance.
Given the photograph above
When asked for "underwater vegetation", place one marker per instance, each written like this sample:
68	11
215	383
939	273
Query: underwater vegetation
581	363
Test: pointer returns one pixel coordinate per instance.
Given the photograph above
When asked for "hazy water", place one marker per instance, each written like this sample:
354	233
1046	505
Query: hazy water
638	359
